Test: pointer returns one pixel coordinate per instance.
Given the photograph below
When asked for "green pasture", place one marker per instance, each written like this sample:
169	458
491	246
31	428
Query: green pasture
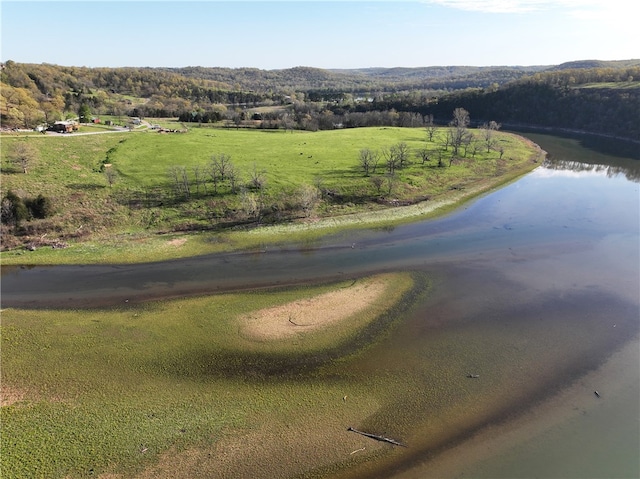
289	158
625	85
94	128
292	158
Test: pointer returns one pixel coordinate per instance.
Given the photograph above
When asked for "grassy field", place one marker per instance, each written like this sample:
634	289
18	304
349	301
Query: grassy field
112	391
103	223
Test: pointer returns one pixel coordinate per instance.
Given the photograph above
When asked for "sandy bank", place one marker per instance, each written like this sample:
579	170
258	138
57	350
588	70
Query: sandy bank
311	314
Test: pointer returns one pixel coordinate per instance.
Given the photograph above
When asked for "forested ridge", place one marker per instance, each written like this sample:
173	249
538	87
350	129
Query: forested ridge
600	97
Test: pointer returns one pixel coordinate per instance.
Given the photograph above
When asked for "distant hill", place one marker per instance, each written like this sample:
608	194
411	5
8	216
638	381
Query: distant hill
35	93
357	80
586	64
421	73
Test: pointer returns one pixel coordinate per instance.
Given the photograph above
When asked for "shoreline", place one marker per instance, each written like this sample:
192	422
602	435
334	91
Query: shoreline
157	247
492	445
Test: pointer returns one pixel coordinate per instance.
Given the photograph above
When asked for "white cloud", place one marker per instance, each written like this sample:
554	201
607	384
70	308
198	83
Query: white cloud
527	6
492	6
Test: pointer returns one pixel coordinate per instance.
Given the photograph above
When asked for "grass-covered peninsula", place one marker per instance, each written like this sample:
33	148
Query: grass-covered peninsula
154	194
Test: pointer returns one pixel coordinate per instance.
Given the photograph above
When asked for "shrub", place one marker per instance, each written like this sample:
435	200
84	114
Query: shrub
40	207
13	209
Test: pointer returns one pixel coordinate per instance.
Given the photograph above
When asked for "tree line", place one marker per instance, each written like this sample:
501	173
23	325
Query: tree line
597	97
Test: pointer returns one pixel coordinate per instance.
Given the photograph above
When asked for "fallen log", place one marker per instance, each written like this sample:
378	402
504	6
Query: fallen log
377	438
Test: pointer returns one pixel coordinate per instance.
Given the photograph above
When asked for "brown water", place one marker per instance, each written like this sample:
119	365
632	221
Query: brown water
535	288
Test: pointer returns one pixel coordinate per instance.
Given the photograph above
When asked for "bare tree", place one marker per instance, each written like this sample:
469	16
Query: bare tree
368	161
459	132
475	149
221	169
220	165
401	151
410	120
213	174
487	134
391	160
237	119
467	140
461	118
423	155
430	126
288	122
458	138
390	179
250	204
111	175
396	156
307	197
445	141
257	180
185	183
198	179
234	177
180	180
23	154
174	176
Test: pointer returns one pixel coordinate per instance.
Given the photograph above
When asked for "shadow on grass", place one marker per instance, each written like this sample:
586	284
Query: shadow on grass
85	186
345	172
10	170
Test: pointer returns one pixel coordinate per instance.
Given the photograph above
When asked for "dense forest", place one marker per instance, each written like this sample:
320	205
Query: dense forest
601	97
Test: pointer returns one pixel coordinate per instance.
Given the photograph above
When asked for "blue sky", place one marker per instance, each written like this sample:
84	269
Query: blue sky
339	34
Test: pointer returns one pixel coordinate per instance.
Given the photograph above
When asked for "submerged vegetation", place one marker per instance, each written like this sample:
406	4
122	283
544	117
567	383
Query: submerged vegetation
96	391
175	389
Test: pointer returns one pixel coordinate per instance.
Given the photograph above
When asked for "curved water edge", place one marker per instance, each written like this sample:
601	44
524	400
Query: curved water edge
514	219
535	286
348	254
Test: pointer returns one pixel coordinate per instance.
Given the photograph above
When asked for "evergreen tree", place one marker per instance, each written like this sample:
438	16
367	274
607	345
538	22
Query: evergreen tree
84	113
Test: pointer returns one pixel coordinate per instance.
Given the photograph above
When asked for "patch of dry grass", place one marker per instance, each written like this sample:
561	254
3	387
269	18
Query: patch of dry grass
10	395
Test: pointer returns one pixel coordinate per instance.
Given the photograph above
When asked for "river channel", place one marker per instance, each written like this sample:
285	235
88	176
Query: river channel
536	289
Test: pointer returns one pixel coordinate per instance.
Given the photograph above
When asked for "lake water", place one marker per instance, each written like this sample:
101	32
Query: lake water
535	288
